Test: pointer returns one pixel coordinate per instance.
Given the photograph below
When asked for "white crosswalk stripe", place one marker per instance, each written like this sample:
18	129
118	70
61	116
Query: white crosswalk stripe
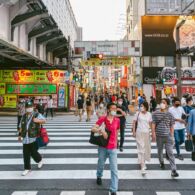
69	146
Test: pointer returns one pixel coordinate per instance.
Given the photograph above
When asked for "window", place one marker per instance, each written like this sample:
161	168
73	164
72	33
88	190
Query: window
169	61
154	61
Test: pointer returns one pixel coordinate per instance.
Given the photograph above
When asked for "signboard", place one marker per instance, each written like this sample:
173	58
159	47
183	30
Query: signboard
61	97
2	88
8	101
188	89
159	35
31	89
106	62
33	76
152	75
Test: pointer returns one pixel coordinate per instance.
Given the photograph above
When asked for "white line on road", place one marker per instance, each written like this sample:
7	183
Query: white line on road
25	193
72	193
168	193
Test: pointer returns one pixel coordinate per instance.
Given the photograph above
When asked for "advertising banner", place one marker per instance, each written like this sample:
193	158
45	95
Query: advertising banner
152	75
2	88
159	35
61	97
33	76
8	101
31	89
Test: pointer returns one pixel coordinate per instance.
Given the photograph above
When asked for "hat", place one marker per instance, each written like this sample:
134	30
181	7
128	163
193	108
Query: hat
29	104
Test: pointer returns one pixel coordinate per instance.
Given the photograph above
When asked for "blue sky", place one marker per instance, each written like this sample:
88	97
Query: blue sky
100	19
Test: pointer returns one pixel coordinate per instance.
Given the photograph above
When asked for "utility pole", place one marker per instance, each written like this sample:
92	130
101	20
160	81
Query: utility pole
178	59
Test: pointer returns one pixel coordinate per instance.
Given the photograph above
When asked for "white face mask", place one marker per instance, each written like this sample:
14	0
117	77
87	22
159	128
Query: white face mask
29	110
101	105
142	108
120	103
162	106
113	113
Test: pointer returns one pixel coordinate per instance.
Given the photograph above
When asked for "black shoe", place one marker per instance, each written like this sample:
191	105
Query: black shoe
174	173
121	149
113	193
179	156
99	181
162	165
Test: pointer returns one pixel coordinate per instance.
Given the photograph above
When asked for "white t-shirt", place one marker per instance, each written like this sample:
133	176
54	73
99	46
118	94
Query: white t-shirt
177	114
143	121
50	103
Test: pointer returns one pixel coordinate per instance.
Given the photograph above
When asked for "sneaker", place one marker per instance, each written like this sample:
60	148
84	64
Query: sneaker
121	149
40	164
174	173
143	171
145	167
179	156
25	172
162	165
99	181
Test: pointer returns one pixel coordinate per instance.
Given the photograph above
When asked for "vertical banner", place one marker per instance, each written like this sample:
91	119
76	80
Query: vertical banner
61	97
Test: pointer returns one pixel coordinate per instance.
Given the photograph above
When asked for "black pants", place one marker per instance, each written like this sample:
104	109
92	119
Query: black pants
30	150
18	122
122	134
193	140
51	111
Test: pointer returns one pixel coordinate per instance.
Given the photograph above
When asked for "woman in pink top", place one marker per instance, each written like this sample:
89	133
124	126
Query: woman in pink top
112	123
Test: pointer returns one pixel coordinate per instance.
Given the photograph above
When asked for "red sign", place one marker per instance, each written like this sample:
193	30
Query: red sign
187	89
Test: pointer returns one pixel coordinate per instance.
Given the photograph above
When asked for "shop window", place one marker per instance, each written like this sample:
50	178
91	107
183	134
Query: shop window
154	61
169	61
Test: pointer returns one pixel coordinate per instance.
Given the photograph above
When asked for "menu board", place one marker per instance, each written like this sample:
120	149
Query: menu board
31	89
34	76
8	101
2	88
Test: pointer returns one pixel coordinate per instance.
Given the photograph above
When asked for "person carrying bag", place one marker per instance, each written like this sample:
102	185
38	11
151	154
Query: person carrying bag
109	147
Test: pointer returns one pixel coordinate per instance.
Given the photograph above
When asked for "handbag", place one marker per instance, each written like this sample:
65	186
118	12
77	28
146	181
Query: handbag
99	140
193	156
42	138
189	145
136	122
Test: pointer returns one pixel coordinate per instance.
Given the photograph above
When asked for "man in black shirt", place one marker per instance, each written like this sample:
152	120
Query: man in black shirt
88	108
121	113
80	103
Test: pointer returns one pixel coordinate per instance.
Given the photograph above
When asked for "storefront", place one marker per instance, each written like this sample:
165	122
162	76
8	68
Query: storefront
36	84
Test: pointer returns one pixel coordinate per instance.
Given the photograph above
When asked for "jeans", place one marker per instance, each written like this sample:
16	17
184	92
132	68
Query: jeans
18	121
122	134
30	150
179	139
103	154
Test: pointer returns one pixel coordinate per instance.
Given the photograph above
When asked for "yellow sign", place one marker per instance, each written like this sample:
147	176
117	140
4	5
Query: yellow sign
2	88
8	101
106	62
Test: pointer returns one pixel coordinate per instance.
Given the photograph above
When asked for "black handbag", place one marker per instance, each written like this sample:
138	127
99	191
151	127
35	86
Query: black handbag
99	140
136	122
193	156
189	145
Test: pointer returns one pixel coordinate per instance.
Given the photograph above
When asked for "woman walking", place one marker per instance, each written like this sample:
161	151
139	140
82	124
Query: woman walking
142	135
50	107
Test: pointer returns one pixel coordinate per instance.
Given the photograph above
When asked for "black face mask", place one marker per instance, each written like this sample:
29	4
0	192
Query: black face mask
177	105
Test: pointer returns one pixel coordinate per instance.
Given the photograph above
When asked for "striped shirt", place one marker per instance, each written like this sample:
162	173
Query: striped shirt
163	121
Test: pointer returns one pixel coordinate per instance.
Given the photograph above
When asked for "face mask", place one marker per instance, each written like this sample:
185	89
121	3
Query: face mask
120	103
29	110
177	105
113	113
142	109
101	105
162	106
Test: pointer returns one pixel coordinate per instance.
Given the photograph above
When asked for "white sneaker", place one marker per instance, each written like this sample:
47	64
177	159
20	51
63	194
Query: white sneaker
40	164
25	172
143	171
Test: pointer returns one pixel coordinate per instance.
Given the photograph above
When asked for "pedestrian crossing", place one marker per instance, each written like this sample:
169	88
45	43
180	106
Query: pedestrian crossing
70	162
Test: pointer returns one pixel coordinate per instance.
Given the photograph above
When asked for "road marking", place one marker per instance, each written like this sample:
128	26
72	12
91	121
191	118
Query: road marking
91	174
168	193
72	193
25	193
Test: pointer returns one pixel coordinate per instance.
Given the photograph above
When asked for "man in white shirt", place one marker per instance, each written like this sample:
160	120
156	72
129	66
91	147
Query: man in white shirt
179	128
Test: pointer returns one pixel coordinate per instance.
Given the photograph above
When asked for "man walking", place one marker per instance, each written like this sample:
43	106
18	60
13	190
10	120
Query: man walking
163	132
179	127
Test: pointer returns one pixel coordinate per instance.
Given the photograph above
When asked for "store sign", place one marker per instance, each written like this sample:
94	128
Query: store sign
2	88
31	89
33	76
106	62
8	101
188	89
159	35
152	75
61	97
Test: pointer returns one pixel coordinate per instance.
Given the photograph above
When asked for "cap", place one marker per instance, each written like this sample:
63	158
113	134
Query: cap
29	104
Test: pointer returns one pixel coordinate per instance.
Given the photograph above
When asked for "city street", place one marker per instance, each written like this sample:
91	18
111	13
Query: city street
70	164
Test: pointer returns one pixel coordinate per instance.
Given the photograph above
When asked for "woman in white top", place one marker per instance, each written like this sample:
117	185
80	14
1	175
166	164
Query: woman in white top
142	135
101	111
50	106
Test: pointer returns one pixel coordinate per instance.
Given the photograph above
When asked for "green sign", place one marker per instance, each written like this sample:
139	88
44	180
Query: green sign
31	89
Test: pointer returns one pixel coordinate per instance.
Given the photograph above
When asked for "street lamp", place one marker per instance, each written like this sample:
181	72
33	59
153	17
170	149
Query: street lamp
178	57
